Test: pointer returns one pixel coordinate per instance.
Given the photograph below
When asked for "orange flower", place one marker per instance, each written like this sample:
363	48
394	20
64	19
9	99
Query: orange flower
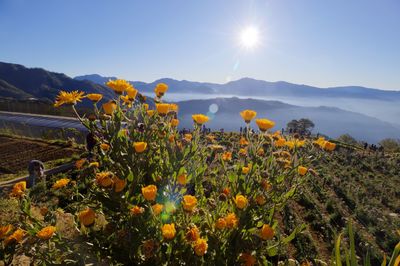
193	234
200	118
226	191
150	112
136	210
104	146
248	259
260	199
87	217
61	183
168	231
260	152
302	170
5	230
243	152
220	223
264	124
266	232
227	156
94	97
241	201
157	208
231	220
200	247
173	107
243	142
149	192
329	146
248	115
104	179
119	184
46	233
109	107
182	179
132	92
119	85
189	202
280	142
19	189
140	146
188	137
162	108
174	122
160	89
17	236
265	184
245	170
80	163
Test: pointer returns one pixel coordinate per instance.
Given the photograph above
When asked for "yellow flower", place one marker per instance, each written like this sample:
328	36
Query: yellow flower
243	152
200	118
261	200
302	170
140	146
227	156
146	106
248	115
295	143
162	108
160	89
119	85
119	184
46	233
17	236
264	124
68	98
173	107
149	192
104	146
94	97
61	183
245	170
5	230
168	231
261	152
80	163
266	232
192	234
220	223
94	165
188	137
247	259
87	217
329	146
231	220
157	208
200	247
109	107
241	201
104	179
19	189
174	122
150	112
136	210
182	179
189	202
131	92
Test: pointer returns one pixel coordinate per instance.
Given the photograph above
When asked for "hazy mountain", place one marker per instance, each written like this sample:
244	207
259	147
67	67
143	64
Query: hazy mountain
94	78
328	120
20	82
251	87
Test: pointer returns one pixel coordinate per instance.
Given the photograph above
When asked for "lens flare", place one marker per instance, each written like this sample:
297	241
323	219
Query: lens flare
249	37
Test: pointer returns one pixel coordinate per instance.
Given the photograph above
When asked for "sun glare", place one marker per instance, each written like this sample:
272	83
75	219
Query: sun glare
249	37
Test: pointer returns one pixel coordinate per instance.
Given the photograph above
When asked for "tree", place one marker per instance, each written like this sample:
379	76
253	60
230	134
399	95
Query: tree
303	126
391	145
346	138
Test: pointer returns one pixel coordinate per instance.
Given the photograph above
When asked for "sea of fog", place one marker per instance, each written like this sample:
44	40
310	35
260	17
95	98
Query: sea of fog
388	111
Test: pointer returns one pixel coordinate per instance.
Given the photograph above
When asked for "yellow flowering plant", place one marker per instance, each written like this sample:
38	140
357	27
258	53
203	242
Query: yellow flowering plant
152	186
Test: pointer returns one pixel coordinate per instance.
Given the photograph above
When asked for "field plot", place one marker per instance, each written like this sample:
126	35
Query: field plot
15	153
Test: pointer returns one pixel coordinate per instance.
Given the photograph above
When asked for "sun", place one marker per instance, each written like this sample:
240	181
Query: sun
249	37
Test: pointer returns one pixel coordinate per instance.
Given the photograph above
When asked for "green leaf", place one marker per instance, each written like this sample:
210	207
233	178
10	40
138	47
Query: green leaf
395	253
272	251
352	245
337	251
130	177
296	231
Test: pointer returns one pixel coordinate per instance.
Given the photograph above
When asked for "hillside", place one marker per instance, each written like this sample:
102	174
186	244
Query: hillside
19	82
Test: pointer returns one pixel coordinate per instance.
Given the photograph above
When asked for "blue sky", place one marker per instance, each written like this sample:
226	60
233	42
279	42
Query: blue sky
321	43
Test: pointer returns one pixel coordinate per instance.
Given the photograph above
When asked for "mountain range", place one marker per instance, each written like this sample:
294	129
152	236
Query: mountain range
19	82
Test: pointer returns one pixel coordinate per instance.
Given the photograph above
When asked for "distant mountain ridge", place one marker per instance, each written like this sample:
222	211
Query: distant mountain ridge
253	87
19	82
